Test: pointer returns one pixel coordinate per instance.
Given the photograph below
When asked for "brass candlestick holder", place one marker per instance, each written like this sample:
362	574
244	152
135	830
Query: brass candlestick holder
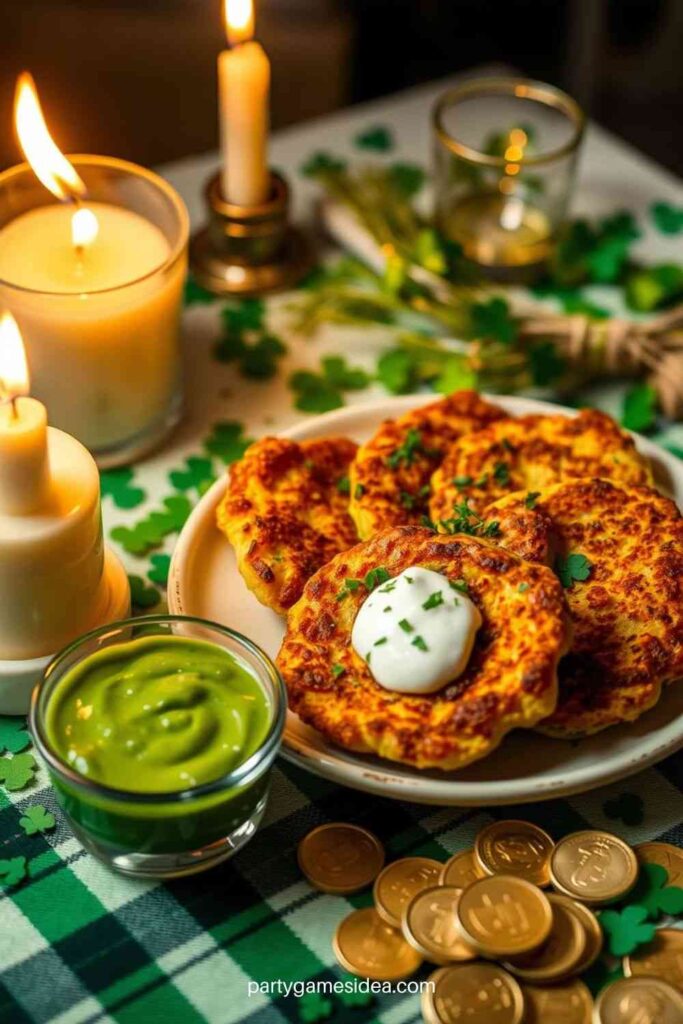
249	250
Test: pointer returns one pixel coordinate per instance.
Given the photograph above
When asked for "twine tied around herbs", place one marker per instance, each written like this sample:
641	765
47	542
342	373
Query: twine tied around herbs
618	348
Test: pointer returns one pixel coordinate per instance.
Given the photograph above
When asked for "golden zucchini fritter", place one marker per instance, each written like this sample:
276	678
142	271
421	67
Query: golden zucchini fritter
510	680
620	552
285	512
391	472
532	453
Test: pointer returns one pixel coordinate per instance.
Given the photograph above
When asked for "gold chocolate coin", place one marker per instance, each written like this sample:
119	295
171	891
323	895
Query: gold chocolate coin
365	945
667	856
426	997
639	1001
559	955
661	958
594	867
461	870
515	848
429	926
591	928
476	993
396	885
570	1003
340	858
504	916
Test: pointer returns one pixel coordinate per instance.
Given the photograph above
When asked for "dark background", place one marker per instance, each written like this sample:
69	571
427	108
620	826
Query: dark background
136	78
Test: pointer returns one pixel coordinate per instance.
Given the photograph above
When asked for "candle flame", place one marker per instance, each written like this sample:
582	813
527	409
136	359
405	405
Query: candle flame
239	20
84	227
49	165
14	377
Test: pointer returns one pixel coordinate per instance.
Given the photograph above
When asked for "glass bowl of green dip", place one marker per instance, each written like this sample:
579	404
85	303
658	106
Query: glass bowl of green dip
159	735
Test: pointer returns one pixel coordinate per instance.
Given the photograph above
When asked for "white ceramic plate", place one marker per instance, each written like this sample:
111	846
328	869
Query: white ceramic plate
204	581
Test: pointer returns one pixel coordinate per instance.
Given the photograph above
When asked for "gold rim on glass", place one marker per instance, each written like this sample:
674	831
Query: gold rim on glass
522	88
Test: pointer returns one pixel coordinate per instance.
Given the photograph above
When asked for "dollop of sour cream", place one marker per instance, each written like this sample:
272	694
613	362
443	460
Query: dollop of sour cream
416	632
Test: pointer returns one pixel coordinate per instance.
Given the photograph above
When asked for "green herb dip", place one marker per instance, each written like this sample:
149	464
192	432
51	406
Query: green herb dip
157	715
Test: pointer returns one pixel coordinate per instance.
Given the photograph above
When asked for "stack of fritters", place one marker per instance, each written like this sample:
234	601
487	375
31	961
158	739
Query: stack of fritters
571	557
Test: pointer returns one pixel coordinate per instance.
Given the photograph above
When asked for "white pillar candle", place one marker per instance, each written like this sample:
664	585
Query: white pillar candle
244	88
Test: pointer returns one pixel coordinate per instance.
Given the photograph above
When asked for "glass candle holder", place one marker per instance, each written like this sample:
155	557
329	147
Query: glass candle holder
164	834
505	156
100	321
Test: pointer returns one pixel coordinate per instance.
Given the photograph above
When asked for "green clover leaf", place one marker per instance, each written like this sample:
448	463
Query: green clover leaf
456	374
545	363
227	441
159	571
626	929
117	484
150	532
396	371
492	320
627	807
13	736
573	567
321	164
407	179
321	392
379	139
652	892
197	474
195	295
313	1007
12	871
37	818
141	595
243	315
667	218
639	411
16	772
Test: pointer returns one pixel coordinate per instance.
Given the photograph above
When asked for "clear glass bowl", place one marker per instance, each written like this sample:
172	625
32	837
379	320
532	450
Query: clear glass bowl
163	835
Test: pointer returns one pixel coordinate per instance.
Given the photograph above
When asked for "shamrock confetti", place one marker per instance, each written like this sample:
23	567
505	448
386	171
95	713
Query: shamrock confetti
379	139
667	218
573	567
227	442
17	771
407	179
159	571
626	929
141	595
37	819
654	894
324	391
150	532
396	371
243	315
13	736
257	359
197	474
195	295
627	807
492	320
12	871
640	408
322	163
117	484
571	299
313	1007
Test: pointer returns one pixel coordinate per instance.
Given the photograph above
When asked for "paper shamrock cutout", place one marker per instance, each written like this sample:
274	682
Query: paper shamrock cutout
407	179
195	295
257	359
379	139
13	736
17	771
627	807
117	484
573	567
227	442
243	315
159	571
197	474
37	819
142	596
313	1007
626	929
12	871
652	892
151	531
321	392
322	163
667	218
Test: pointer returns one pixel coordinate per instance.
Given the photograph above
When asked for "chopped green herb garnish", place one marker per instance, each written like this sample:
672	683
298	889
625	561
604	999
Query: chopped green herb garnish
466	520
344	485
367	657
387	609
433	601
501	473
358	491
378	643
420	644
573	567
506	445
409	579
405	626
482	481
530	500
376	576
462	481
459	585
428	523
407	500
523	587
407	451
350	585
338	670
388	588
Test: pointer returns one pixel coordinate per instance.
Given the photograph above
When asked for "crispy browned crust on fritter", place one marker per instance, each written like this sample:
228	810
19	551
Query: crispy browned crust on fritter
285	512
510	680
383	495
532	453
628	614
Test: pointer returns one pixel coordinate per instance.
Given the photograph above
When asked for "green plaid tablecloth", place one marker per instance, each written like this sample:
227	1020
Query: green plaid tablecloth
79	944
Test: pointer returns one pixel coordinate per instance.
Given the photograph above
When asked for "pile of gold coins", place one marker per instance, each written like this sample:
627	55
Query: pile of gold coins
507	951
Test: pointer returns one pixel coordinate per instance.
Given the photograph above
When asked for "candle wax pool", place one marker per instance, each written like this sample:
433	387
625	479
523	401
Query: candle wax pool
157	715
